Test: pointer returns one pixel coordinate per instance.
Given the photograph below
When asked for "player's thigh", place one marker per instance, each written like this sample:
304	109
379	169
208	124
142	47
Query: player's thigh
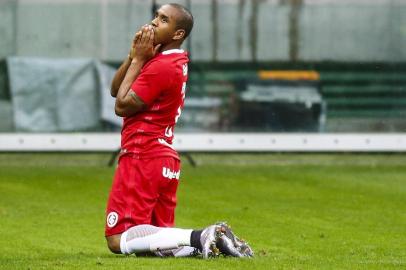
164	211
132	197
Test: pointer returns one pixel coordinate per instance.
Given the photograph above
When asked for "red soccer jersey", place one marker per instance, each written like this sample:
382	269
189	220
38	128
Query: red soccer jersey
161	85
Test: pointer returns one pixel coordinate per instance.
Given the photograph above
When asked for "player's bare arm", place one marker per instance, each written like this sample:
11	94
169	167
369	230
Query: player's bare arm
120	74
127	102
119	77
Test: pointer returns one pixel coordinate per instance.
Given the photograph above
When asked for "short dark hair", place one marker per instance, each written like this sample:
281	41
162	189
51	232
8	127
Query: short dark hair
185	21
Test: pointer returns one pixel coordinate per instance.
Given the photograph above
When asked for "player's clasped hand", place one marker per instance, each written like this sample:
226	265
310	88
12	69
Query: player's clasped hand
135	39
143	44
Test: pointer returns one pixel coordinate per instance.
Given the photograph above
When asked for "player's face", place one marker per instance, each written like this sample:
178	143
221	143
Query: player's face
164	24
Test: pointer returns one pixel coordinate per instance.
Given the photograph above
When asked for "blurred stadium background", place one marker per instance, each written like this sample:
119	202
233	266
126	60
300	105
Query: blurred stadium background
265	76
276	65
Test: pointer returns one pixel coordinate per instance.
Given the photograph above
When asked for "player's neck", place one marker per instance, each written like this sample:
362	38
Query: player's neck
170	46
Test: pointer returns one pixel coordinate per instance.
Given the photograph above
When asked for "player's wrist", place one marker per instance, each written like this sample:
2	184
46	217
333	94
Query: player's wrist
131	53
135	61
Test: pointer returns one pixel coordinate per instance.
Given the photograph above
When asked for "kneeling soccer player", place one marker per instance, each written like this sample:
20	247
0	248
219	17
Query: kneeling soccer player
150	88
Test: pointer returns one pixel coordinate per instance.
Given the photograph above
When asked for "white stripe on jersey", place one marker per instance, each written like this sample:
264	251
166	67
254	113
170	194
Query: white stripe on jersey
173	51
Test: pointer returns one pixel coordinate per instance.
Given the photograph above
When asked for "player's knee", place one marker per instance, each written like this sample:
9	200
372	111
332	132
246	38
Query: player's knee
113	243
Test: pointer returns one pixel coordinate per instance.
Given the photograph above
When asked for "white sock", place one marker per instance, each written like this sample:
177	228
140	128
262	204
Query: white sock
144	238
185	251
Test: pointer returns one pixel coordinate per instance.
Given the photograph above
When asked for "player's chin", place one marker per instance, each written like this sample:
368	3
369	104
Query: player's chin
156	42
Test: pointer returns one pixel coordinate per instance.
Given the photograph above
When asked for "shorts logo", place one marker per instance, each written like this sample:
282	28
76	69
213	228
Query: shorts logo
112	219
167	173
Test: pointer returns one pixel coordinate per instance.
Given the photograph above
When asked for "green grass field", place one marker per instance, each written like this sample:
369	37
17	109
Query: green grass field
297	211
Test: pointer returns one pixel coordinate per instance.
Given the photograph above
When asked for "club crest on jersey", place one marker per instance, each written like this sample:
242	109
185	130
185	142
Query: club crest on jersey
112	219
167	173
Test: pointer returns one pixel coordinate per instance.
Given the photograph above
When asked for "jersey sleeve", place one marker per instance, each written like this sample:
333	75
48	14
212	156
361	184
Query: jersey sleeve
153	79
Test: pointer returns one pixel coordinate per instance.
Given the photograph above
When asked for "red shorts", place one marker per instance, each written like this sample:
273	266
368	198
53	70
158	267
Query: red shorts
143	192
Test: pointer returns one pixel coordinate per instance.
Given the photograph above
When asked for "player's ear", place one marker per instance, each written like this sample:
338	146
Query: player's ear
179	34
